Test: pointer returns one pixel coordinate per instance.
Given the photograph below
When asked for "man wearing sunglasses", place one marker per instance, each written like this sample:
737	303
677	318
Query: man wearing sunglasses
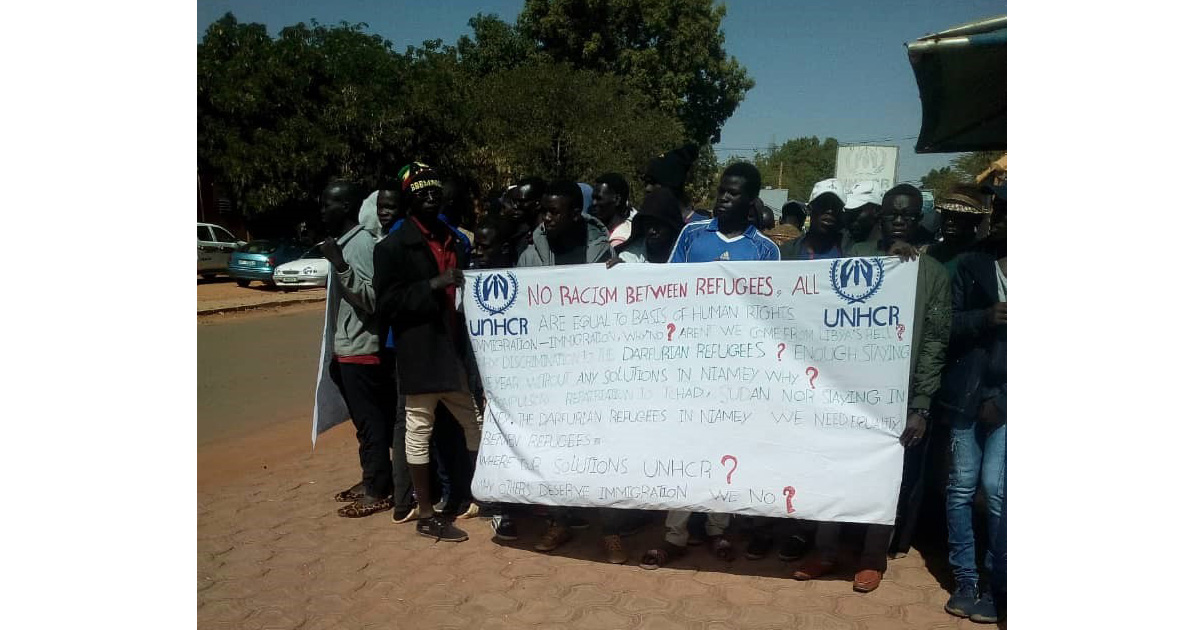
899	216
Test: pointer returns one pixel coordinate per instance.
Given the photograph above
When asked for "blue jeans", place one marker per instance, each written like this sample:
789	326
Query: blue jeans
978	454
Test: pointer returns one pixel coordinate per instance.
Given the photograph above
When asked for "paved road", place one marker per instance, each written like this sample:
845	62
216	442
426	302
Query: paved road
255	370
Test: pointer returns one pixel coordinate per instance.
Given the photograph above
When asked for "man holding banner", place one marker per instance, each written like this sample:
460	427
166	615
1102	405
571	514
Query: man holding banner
417	270
729	235
898	222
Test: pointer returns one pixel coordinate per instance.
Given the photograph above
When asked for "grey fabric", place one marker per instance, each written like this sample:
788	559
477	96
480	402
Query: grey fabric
355	333
538	253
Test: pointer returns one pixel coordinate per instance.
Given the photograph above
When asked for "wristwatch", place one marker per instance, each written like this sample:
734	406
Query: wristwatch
924	413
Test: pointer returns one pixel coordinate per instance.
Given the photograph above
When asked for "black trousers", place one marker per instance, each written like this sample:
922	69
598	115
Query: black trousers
874	548
371	397
912	491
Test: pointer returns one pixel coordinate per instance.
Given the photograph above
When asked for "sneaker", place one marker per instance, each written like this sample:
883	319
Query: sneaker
440	506
504	528
613	551
575	522
403	515
792	548
441	528
984	610
962	602
759	545
554	537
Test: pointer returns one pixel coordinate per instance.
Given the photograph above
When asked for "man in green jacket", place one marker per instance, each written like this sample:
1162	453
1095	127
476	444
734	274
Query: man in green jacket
899	217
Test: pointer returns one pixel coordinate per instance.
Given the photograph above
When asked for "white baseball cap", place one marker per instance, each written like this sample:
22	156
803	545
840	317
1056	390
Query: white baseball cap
828	186
862	194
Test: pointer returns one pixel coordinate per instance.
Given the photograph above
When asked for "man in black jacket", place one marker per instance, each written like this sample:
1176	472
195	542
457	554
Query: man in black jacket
974	396
417	270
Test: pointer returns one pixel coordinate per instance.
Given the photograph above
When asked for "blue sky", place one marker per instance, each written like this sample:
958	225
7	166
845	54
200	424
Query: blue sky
825	68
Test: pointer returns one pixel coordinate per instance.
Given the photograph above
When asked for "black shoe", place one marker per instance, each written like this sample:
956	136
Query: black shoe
440	506
441	528
792	548
962	602
504	528
984	610
759	545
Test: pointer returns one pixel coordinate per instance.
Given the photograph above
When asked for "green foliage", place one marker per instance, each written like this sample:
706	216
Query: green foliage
941	180
805	162
556	121
671	50
963	169
970	165
573	89
278	118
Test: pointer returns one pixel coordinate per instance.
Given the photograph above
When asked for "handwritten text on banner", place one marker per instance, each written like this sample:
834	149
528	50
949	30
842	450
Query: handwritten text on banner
759	388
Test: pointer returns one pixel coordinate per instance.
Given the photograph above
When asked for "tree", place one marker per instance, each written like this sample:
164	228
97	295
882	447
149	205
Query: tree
804	161
570	123
278	118
970	165
940	180
671	50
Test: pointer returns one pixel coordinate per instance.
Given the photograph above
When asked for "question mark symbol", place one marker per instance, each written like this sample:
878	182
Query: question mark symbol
900	331
779	355
670	331
729	477
789	492
812	373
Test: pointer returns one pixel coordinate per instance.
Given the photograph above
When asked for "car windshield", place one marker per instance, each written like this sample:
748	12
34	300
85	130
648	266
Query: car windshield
261	247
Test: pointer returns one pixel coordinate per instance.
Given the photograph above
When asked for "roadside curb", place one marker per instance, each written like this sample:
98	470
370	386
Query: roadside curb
251	307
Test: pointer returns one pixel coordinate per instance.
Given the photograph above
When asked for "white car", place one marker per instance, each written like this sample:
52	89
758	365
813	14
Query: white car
310	270
214	244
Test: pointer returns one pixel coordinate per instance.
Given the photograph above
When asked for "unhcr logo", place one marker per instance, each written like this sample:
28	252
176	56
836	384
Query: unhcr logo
856	279
495	292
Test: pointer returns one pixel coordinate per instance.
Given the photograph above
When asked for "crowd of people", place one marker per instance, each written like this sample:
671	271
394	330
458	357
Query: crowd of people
404	366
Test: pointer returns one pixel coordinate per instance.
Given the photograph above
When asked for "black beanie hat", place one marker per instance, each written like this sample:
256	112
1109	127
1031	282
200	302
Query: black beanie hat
671	168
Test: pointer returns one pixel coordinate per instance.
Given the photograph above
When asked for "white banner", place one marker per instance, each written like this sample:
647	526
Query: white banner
759	388
329	409
866	163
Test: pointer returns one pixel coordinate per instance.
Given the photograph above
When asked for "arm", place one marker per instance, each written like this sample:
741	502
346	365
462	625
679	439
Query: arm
967	324
399	296
356	278
935	335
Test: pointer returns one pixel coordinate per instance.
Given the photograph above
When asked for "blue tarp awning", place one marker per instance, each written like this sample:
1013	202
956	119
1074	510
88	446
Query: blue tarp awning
962	75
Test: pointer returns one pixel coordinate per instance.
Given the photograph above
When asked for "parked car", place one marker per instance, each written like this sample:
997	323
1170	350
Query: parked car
310	270
258	259
214	245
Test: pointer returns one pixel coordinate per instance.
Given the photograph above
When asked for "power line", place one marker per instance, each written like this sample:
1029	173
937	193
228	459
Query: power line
840	143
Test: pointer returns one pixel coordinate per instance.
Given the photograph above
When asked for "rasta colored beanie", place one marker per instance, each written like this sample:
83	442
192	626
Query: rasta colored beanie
416	176
671	168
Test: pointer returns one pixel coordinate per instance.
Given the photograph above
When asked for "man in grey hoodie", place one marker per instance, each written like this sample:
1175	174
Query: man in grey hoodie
357	369
567	236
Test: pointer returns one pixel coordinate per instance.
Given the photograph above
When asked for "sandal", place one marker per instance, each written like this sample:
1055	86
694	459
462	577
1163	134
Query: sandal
359	510
721	547
660	557
350	495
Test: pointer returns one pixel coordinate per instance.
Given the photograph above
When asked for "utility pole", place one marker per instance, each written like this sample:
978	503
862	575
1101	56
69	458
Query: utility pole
779	182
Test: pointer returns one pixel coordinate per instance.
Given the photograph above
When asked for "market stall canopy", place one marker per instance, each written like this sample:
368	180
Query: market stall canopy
962	75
